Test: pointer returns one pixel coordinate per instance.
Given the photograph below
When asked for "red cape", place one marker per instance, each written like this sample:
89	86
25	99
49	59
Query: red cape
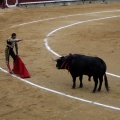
20	69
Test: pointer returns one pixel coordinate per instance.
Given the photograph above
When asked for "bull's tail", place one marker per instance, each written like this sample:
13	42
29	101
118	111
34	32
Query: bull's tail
106	82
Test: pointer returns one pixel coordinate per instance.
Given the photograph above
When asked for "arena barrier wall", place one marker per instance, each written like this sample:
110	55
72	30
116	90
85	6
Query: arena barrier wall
38	3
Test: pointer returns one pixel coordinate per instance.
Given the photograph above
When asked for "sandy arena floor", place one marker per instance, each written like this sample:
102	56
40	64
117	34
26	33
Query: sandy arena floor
100	36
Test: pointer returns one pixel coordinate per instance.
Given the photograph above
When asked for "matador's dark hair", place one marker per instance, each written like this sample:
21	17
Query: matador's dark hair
13	34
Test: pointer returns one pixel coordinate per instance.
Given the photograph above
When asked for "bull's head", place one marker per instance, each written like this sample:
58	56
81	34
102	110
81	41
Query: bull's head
60	62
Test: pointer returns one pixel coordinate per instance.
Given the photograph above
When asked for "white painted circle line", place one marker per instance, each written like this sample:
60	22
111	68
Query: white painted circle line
80	23
50	90
46	44
113	75
63	94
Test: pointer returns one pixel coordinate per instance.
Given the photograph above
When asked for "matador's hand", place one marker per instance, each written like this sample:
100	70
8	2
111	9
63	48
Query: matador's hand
20	40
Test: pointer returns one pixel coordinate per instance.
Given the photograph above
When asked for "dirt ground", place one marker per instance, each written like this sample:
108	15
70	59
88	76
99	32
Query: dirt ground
22	101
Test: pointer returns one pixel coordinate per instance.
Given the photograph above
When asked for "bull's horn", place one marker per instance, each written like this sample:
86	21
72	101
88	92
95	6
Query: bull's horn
55	59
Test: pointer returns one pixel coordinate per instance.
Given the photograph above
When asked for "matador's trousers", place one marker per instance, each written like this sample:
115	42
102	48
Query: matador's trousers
9	52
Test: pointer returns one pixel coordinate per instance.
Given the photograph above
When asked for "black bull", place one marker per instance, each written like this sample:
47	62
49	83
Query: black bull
79	65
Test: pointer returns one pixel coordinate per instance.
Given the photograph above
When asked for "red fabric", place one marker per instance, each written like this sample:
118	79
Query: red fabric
20	69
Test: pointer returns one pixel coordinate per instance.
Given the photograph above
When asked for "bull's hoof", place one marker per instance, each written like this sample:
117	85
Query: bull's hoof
108	89
81	86
73	87
93	91
99	89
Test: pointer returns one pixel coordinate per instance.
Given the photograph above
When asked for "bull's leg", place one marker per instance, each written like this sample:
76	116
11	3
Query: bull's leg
80	78
74	82
96	83
100	83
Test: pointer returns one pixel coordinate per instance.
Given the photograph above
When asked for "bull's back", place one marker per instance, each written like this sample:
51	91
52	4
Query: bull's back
87	65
